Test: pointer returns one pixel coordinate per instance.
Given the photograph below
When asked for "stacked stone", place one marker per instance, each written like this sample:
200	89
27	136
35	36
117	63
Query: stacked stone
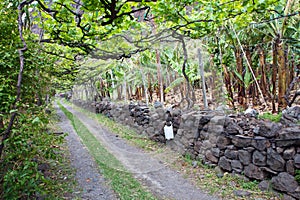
159	117
291	115
183	141
121	114
258	149
191	133
242	144
140	113
209	151
156	125
85	104
103	107
176	119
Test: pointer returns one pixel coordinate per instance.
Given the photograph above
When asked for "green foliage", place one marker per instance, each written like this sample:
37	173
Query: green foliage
9	57
271	117
297	175
174	84
250	185
188	158
28	147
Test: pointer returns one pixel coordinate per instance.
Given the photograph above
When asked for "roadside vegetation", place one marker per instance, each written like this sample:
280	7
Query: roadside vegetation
271	117
297	177
36	163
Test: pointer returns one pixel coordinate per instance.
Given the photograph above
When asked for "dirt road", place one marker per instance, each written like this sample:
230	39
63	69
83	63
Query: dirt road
162	181
91	184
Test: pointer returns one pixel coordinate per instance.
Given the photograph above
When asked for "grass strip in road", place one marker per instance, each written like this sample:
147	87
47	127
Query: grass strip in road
121	181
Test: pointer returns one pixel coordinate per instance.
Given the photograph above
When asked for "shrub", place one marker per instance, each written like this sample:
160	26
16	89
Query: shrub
28	146
271	117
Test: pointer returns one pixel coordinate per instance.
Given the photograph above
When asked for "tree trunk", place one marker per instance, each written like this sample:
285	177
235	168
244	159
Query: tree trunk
150	88
129	91
159	72
1	124
140	93
202	78
168	77
185	58
102	88
263	79
292	67
251	89
178	89
108	84
125	88
241	87
274	75
86	93
21	51
281	76
287	66
159	76
228	85
213	80
145	87
219	94
112	84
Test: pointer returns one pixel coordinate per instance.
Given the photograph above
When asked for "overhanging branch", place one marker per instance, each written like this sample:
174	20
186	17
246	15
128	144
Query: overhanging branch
5	135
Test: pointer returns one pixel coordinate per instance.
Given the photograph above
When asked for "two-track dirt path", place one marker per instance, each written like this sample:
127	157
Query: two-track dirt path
92	186
162	181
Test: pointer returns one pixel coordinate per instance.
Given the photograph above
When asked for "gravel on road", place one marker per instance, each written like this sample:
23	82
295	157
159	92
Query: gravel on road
91	183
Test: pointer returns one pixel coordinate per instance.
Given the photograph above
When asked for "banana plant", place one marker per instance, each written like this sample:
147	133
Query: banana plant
283	33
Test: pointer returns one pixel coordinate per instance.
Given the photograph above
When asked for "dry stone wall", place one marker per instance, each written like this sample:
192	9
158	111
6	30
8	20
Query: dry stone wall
242	144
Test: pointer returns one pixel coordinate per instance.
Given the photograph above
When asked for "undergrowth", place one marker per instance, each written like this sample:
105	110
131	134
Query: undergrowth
297	176
271	117
31	164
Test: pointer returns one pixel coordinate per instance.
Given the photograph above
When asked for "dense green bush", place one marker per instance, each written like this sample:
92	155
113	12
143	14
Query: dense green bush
29	147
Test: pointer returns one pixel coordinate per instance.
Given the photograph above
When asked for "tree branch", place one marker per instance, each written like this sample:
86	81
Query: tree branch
21	51
185	58
279	17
